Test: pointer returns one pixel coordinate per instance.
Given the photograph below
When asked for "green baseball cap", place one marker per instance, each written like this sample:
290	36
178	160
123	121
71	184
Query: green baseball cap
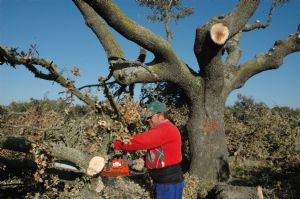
155	107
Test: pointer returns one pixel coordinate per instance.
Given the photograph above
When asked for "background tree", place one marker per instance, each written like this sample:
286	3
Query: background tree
206	89
166	11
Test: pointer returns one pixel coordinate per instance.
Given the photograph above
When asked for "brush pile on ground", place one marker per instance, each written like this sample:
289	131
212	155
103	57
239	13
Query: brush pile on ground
263	142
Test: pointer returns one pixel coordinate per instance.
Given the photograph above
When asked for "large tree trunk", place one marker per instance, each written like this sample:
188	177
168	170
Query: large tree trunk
208	144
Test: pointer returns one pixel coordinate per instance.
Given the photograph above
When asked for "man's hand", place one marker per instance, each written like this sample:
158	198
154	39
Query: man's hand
138	164
120	140
125	138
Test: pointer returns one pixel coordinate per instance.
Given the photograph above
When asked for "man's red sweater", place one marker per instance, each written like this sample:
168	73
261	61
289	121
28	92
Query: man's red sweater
165	135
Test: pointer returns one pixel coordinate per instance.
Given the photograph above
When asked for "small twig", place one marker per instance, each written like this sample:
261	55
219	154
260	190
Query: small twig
109	96
258	24
120	90
89	86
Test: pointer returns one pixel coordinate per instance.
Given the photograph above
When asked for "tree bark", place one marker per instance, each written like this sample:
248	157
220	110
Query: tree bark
208	144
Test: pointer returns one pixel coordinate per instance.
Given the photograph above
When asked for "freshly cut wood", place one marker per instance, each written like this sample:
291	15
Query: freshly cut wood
96	165
219	33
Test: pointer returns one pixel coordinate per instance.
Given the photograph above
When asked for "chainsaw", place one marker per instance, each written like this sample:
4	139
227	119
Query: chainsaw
116	165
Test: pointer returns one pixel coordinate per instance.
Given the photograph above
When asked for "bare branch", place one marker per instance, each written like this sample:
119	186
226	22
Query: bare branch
127	72
121	90
233	50
110	98
234	54
141	59
258	24
98	26
88	86
267	61
131	30
10	56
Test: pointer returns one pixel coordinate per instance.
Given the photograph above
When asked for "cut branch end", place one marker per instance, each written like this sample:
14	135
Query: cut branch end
219	33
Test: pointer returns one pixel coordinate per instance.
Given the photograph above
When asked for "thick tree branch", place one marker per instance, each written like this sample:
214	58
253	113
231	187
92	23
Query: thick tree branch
127	72
12	57
60	152
273	59
66	153
131	30
237	19
205	48
98	26
208	47
234	54
21	144
233	50
141	59
137	72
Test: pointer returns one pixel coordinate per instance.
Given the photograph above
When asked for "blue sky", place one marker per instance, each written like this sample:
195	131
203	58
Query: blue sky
58	30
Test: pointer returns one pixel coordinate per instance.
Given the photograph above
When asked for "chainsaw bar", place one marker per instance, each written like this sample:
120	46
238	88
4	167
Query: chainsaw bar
65	165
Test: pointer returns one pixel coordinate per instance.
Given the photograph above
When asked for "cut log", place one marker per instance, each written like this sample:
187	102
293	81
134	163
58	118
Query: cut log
21	144
235	192
219	33
96	165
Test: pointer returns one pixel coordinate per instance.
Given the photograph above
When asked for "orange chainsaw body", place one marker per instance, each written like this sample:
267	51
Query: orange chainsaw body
116	167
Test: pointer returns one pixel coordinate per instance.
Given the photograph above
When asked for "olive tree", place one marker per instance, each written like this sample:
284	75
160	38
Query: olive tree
207	89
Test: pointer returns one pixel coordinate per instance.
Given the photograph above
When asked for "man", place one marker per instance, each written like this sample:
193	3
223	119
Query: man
163	144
